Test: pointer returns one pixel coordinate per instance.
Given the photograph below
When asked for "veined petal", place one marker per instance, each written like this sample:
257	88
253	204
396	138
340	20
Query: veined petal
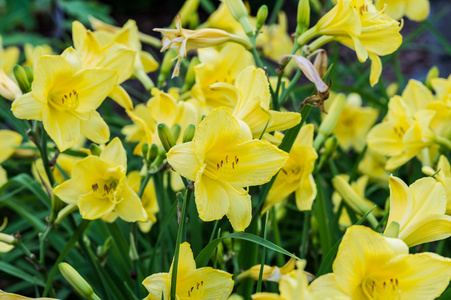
162	107
255	163
228	91
149	63
326	287
282	187
376	68
186	264
416	96
426	276
306	193
120	59
433	227
62	127
282	120
130	208
212	200
68	191
93	207
93	86
73	58
254	86
205	283
240	209
157	285
95	129
429	197
383	139
28	107
114	154
183	160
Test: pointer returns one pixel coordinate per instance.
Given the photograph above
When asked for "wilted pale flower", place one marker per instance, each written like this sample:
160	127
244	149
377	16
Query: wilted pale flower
8	58
184	40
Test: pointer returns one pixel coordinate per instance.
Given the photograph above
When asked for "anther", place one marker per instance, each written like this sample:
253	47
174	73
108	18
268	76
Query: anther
227	159
217	166
95	187
233	165
222	162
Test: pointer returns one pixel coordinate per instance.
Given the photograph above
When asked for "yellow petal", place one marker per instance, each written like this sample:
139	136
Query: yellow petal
120	95
183	160
417	10
114	154
149	63
73	57
306	193
28	107
68	191
157	285
384	140
401	202
62	127
93	207
96	129
417	96
130	208
376	68
253	85
163	107
10	140
240	209
120	59
434	227
186	263
211	198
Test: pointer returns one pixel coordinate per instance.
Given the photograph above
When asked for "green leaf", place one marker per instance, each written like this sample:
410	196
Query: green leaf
34	187
81	10
16	272
204	255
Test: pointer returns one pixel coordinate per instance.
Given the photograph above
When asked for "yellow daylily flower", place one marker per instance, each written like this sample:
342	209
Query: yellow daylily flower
148	200
442	106
373	166
10	296
419	210
222	65
416	10
222	159
296	175
359	186
359	25
161	108
10	140
251	100
32	54
98	186
129	36
184	40
404	133
443	176
192	283
90	53
354	123
295	286
8	58
369	266
66	101
273	273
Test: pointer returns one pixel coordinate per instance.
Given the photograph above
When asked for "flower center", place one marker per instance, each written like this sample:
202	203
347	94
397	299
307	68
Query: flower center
106	188
381	290
227	164
399	130
197	290
70	100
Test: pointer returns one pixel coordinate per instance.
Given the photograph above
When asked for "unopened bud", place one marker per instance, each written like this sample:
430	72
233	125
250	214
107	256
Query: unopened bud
145	149
303	17
22	79
106	247
133	253
95	149
432	74
392	230
329	149
7	239
29	72
153	152
176	129
77	282
262	14
188	135
166	137
240	14
351	198
166	65
392	89
190	78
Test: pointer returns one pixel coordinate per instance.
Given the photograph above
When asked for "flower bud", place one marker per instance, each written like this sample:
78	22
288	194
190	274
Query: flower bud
176	129
77	282
95	149
303	17
352	199
166	66
329	149
432	74
190	77
320	62
262	14
329	122
153	152
29	72
392	231
188	135
22	79
132	252
145	149
240	14
166	137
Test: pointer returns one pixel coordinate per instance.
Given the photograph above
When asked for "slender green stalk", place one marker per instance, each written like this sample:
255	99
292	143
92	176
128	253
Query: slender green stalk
443	142
262	265
45	158
78	233
188	193
293	83
276	232
305	229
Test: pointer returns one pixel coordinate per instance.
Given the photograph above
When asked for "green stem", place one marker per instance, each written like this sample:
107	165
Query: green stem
305	229
275	11
315	45
78	233
293	82
277	239
443	142
188	193
262	265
